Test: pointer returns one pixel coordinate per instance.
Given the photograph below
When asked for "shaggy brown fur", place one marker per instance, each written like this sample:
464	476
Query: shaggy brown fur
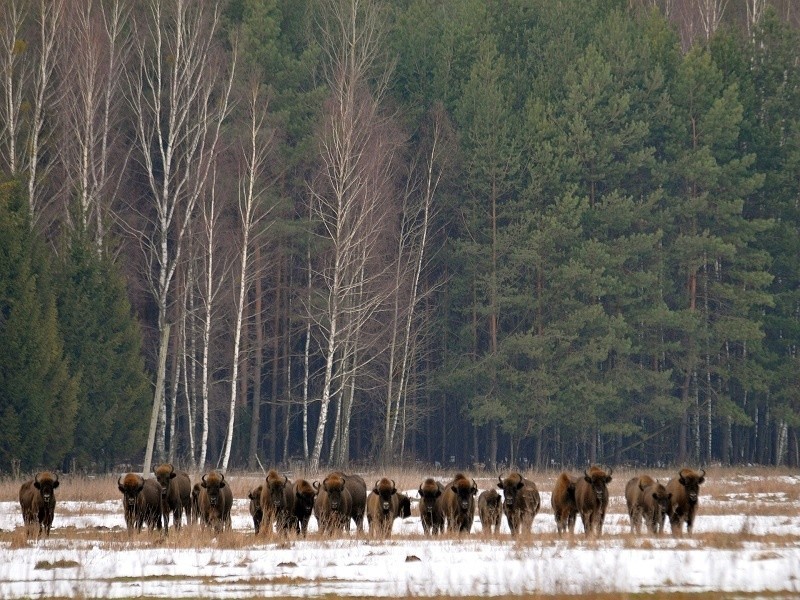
562	500
38	502
522	502
591	497
685	490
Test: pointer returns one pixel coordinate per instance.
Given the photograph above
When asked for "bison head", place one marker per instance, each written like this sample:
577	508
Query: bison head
691	481
213	482
510	486
45	483
405	505
164	474
464	490
130	487
277	485
304	496
334	486
385	489
599	481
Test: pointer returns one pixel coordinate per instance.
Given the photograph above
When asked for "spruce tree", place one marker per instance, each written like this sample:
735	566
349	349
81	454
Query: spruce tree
103	345
38	396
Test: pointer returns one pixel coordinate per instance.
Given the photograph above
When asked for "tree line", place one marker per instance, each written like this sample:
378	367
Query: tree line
530	232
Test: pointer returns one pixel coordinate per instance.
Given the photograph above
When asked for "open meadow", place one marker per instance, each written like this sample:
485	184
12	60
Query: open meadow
746	544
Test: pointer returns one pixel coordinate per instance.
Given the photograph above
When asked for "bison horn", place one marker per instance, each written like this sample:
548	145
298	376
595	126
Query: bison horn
610	471
585	473
285	480
204	478
703	473
119	481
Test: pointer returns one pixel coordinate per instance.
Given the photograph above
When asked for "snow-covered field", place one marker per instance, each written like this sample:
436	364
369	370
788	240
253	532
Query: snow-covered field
746	540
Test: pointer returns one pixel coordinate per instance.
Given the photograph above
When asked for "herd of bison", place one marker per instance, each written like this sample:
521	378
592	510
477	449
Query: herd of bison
285	506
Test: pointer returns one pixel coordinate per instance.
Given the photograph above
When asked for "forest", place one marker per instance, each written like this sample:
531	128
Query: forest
459	233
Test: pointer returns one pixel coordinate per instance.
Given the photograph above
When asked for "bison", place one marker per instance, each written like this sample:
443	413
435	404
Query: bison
565	510
358	494
591	498
405	505
458	503
430	506
649	500
685	491
490	511
176	494
38	501
215	501
333	506
383	506
522	502
141	502
194	512
277	503
304	497
254	496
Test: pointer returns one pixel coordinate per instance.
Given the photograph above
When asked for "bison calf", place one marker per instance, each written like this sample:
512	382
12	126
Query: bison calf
647	500
591	498
256	512
38	501
685	490
490	511
562	500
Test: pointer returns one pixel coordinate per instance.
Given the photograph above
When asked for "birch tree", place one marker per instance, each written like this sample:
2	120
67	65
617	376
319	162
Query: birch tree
98	47
180	94
346	197
412	258
252	212
29	94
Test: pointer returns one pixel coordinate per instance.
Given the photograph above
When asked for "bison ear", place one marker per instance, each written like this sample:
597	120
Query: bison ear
587	479
37	485
172	475
701	480
682	480
655	496
222	483
438	493
519	485
121	489
500	484
608	478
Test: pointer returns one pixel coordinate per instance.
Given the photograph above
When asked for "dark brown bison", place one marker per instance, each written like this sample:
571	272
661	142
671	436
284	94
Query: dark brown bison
685	492
215	501
458	503
176	494
254	496
591	497
277	503
194	512
521	502
430	506
304	497
38	502
333	505
141	502
358	494
565	510
383	506
490	511
405	505
649	500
